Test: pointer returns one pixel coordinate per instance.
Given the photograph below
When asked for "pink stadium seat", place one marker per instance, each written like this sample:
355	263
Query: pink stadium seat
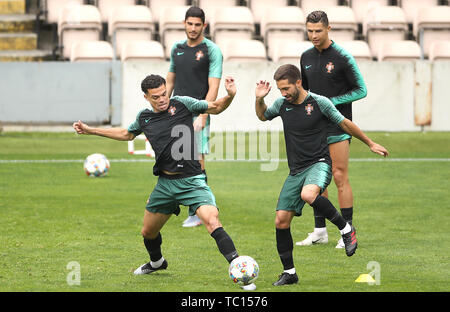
232	23
382	24
54	8
363	7
440	51
142	50
78	23
259	8
106	7
129	23
91	51
309	6
401	50
244	50
282	24
432	24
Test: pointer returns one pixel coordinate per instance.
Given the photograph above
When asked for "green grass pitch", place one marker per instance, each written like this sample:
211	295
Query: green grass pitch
51	213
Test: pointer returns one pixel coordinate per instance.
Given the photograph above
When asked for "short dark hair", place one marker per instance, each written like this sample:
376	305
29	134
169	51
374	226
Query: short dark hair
318	17
289	72
152	82
195	12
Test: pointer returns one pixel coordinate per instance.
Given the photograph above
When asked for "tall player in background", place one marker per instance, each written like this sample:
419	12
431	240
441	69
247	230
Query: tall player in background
327	69
195	71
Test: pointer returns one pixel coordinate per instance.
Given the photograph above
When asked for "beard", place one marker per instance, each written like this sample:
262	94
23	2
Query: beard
294	96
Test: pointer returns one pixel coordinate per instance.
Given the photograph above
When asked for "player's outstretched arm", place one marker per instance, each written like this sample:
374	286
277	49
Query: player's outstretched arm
119	134
222	104
262	89
352	129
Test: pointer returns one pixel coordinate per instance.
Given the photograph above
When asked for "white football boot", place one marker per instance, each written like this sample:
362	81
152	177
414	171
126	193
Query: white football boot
314	238
192	221
340	244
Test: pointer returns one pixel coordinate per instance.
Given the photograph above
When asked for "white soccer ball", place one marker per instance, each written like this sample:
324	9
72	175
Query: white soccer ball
243	270
96	165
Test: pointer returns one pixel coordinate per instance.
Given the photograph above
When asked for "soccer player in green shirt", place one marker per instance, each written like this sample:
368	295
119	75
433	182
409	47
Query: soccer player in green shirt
305	118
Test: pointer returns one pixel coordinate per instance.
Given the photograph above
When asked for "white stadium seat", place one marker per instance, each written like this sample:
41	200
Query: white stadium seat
290	52
158	6
171	27
107	7
343	23
53	8
359	49
363	7
260	7
412	7
309	6
210	6
440	51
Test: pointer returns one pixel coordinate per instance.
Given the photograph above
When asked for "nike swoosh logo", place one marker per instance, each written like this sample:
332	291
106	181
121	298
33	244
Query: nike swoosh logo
317	240
307	66
288	109
147	120
180	53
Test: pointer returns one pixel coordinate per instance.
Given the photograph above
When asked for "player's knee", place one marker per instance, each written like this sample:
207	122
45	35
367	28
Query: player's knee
340	177
148	233
308	196
282	223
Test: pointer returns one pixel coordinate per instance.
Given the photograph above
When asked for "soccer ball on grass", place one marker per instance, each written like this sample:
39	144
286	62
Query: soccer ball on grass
96	165
243	270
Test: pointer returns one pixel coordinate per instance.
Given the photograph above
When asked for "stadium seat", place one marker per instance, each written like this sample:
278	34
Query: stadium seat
142	50
210	7
232	23
91	51
343	23
282	24
243	50
78	23
432	24
399	50
382	24
359	49
107	7
411	7
290	52
53	8
440	50
309	6
259	8
157	7
362	7
171	27
129	23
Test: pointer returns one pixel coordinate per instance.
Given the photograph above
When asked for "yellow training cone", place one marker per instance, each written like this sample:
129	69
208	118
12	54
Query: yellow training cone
365	278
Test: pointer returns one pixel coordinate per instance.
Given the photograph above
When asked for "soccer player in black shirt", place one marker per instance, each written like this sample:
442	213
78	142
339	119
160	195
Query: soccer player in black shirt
305	118
180	178
327	69
195	71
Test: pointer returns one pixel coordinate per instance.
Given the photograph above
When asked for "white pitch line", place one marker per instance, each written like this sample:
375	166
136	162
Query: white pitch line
138	160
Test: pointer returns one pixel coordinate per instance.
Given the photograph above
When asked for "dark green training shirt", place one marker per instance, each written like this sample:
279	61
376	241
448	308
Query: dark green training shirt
171	134
334	74
193	66
305	129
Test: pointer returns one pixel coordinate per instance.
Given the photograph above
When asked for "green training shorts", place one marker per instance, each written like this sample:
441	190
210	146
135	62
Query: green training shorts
318	174
168	194
338	138
202	137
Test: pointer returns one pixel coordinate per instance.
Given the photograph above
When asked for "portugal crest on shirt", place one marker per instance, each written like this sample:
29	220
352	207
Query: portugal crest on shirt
309	108
329	67
172	110
199	55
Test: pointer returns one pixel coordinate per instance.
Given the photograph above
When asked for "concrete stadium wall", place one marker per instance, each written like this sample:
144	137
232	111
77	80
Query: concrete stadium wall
60	92
402	96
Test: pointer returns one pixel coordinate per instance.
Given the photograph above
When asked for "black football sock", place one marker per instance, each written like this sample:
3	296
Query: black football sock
319	221
322	206
206	177
347	214
154	247
285	247
225	244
